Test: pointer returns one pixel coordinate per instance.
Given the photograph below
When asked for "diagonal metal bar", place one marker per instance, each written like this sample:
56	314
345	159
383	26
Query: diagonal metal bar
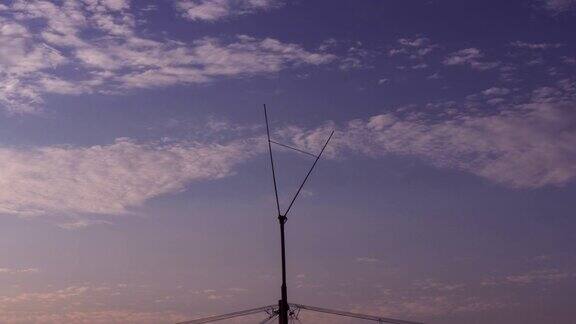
354	315
268	319
293	148
308	174
231	315
272	161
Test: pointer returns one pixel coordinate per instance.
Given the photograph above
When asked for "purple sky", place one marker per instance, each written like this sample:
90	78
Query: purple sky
134	184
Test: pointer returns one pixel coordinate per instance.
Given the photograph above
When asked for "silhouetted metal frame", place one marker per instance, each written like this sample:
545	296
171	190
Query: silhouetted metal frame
293	148
283	306
272	312
283	309
266	309
353	315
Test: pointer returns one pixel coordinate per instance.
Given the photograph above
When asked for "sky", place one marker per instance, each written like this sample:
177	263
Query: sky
135	184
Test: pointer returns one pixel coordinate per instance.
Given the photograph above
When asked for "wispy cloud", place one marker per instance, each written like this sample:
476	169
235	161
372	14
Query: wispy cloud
109	316
107	303
81	223
116	58
545	276
471	57
496	92
426	306
558	6
212	10
50	297
539	46
367	260
414	48
527	145
524	146
91	306
12	271
435	285
107	179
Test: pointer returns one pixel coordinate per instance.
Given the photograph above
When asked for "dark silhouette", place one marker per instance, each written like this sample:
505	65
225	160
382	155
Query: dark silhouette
285	311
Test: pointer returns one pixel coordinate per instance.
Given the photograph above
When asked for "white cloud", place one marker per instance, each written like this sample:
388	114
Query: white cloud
470	57
107	179
99	40
419	66
84	303
108	316
435	285
205	10
367	260
20	56
113	4
107	303
212	10
521	44
422	306
354	54
47	297
539	276
569	60
414	48
81	223
527	146
496	92
10	271
558	6
206	59
544	276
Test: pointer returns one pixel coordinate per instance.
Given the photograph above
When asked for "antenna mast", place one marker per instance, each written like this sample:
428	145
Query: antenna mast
284	310
283	306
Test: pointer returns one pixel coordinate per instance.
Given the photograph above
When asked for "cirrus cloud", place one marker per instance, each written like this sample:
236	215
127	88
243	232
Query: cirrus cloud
99	39
526	146
108	179
212	10
471	57
558	6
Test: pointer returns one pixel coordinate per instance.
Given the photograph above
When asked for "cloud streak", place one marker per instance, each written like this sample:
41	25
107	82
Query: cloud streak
92	305
471	57
213	10
558	6
11	271
109	179
526	146
99	40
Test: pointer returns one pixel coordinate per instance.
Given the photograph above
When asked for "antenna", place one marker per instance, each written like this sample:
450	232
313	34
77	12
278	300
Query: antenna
283	307
284	310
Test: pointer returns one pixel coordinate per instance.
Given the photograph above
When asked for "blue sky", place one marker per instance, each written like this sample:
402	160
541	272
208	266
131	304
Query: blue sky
134	177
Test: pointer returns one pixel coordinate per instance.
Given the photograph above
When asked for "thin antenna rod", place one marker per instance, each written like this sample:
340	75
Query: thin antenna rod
308	174
283	310
272	161
355	315
268	319
268	309
293	148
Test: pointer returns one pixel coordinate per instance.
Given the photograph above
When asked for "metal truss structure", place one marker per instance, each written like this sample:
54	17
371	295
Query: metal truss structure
272	312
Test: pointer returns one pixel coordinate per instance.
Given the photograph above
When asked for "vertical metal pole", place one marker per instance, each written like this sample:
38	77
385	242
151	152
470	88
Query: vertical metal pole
283	309
282	303
272	162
